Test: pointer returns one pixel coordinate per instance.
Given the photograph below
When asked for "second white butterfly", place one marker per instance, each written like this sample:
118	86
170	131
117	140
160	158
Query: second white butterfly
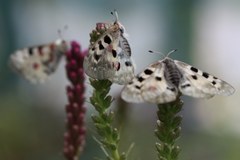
164	80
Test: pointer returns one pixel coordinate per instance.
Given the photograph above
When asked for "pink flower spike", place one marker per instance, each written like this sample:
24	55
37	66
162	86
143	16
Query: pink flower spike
74	137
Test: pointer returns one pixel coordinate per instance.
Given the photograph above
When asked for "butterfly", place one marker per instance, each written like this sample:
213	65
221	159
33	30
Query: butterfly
163	81
109	57
36	63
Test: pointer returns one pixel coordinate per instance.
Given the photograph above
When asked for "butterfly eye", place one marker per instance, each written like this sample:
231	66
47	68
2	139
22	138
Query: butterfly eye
121	30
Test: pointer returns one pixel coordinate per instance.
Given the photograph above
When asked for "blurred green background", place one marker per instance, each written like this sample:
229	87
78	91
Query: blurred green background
205	32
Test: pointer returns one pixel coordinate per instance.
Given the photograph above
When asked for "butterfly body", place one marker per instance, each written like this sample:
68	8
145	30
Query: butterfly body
110	55
165	80
38	62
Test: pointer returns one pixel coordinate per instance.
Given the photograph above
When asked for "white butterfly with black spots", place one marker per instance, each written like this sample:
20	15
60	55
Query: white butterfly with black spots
110	56
38	62
164	80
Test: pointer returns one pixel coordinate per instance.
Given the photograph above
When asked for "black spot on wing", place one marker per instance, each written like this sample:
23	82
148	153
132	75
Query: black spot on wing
171	89
93	48
127	63
194	69
215	77
40	48
107	39
194	77
30	50
130	83
213	82
158	78
101	47
138	87
96	57
204	74
185	86
140	79
148	71
118	67
114	53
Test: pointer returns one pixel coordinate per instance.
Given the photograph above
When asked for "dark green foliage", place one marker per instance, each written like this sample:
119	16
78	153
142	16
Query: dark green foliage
108	135
168	130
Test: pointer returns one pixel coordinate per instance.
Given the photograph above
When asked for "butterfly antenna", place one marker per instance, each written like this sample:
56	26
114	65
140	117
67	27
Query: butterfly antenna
115	14
151	51
162	54
174	50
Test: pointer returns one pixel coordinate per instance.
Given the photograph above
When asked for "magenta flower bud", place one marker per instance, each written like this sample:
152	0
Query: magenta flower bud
73	76
73	64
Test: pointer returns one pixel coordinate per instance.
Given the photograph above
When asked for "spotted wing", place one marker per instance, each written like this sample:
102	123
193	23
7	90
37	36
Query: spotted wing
125	69
199	84
150	86
101	60
38	62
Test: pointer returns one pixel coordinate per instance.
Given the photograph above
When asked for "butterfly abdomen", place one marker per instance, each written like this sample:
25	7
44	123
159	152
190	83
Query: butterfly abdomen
125	46
172	73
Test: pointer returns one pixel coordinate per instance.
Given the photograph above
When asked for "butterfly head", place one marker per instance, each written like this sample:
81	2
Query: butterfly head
61	45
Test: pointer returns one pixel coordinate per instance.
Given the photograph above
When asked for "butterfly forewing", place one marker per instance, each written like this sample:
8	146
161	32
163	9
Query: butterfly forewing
150	86
197	83
155	88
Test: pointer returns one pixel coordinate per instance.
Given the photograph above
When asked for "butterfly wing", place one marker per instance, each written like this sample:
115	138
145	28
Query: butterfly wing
125	70
150	86
38	62
132	92
199	84
101	60
28	66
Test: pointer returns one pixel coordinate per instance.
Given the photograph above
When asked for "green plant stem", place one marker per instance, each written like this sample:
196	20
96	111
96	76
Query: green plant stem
168	130
109	136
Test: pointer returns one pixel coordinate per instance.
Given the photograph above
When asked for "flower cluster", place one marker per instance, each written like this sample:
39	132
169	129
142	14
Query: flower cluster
74	138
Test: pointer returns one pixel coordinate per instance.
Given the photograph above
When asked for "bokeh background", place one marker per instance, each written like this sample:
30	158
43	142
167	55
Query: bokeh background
205	32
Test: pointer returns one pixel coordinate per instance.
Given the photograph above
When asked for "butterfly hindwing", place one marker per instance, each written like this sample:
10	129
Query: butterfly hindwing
124	72
132	92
